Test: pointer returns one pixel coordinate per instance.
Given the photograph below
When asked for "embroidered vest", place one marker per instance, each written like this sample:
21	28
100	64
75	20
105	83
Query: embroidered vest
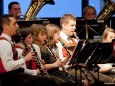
15	55
70	47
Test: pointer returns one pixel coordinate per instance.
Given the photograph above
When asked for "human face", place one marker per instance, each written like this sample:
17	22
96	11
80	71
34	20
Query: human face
15	10
69	28
90	14
29	39
13	27
110	37
41	37
56	37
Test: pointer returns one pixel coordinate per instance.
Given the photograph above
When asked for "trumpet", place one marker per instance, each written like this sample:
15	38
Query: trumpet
39	64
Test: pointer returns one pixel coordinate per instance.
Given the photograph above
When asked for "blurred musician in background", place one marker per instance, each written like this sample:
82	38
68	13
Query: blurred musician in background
89	12
14	9
107	37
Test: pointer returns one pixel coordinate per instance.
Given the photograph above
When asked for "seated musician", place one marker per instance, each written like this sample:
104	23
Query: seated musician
68	26
11	68
107	37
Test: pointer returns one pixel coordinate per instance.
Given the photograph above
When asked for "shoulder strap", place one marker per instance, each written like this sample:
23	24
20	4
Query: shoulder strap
18	46
70	45
3	38
13	48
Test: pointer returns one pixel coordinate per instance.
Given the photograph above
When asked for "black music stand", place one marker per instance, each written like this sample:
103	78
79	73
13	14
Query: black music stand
93	53
87	29
90	55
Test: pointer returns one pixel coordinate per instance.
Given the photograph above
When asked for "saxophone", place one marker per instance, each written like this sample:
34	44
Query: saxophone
107	11
35	7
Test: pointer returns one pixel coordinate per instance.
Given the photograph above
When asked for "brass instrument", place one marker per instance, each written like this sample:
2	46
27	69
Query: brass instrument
39	64
34	7
107	11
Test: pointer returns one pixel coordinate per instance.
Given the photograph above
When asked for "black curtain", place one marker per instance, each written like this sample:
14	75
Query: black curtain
1	7
84	4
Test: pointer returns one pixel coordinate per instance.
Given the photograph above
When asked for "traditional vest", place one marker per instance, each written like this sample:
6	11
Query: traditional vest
31	64
70	46
15	55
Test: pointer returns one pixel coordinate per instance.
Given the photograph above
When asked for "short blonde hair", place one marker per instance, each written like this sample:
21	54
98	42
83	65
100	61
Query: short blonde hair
66	17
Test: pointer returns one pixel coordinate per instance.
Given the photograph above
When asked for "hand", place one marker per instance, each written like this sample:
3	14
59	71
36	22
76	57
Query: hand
42	61
29	56
85	82
42	70
58	63
25	52
67	58
38	71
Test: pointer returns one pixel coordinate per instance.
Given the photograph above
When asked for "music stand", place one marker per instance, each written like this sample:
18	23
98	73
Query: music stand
87	29
93	52
90	55
77	50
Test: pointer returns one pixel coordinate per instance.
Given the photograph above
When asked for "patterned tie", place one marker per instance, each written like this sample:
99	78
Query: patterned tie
68	39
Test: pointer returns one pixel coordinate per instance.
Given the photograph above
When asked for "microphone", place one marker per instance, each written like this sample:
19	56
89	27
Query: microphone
19	14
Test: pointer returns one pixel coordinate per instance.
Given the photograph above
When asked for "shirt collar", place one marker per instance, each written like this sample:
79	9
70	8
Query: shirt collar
65	37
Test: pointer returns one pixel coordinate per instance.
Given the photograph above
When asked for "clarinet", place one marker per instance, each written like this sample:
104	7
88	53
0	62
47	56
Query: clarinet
27	49
68	51
39	64
22	39
64	69
76	37
37	60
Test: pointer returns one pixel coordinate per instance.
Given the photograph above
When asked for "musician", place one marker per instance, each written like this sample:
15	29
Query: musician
14	9
12	69
68	26
107	37
89	12
52	63
25	35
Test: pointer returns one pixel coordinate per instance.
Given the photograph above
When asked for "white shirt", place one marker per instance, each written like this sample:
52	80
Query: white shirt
6	55
29	71
59	45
